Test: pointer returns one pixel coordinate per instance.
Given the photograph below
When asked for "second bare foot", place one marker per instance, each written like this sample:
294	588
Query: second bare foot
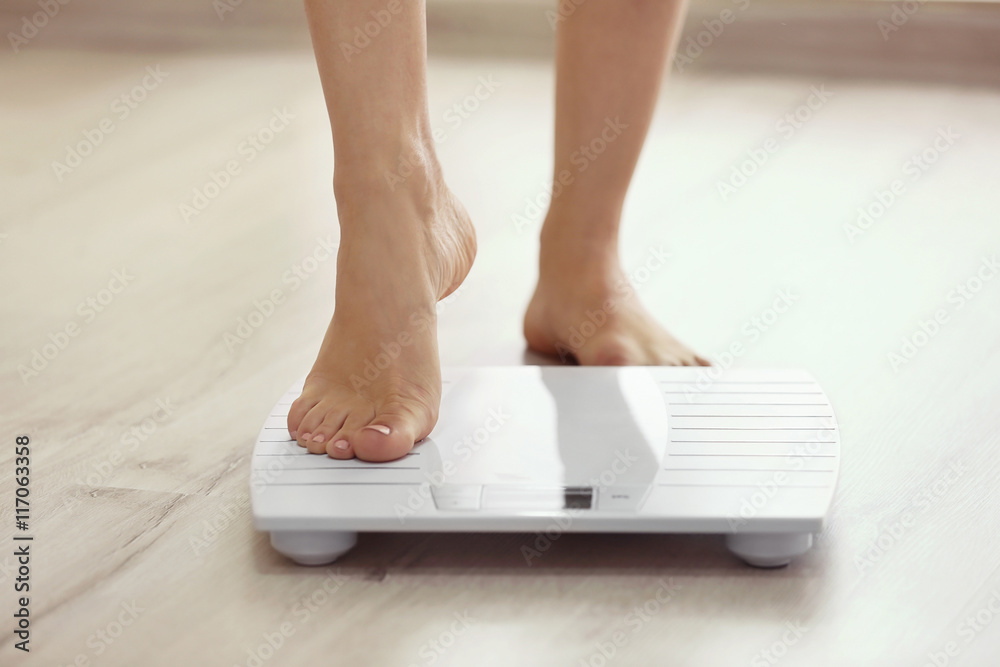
585	310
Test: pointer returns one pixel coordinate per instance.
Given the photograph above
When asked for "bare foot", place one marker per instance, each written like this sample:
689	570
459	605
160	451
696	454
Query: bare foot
585	310
375	388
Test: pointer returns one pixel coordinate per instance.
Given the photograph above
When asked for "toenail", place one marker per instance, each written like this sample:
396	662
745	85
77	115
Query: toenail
384	430
294	434
307	436
342	445
319	438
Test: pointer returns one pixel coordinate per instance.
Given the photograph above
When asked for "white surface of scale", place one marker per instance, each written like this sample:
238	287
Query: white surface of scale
752	454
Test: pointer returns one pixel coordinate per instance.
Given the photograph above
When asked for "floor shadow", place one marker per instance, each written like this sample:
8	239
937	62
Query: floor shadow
686	558
531	554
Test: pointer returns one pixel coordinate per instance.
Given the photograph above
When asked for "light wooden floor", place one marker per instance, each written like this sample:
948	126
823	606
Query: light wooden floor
159	518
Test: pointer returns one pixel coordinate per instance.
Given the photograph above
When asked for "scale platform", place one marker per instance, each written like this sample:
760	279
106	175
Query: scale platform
751	454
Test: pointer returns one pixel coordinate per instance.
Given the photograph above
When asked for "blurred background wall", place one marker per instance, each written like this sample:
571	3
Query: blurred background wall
911	39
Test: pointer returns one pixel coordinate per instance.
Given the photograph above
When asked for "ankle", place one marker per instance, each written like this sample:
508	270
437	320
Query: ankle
404	169
583	223
577	249
579	268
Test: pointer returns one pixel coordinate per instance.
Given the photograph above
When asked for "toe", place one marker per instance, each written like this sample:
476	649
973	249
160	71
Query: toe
392	433
685	358
608	352
332	423
382	442
309	426
296	413
314	446
339	448
673	353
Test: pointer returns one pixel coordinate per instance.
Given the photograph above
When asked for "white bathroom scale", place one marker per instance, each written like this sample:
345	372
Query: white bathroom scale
751	454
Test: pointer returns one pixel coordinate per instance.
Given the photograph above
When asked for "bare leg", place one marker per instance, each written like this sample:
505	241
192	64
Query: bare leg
405	241
610	62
